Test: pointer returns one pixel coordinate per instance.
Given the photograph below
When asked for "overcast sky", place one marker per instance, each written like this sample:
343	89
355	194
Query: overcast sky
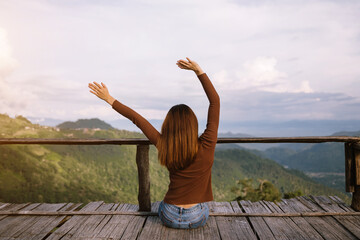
268	60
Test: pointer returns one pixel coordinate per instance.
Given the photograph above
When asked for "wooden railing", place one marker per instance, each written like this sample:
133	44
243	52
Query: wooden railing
351	147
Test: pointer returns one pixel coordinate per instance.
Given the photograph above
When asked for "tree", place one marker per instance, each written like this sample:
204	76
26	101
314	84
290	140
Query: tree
293	194
265	191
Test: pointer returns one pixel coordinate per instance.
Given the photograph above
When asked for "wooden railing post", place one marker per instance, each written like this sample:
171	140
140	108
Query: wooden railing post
142	162
355	202
349	167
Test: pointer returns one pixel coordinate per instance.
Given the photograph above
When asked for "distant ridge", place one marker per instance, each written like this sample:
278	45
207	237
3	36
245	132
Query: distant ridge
234	135
85	123
347	133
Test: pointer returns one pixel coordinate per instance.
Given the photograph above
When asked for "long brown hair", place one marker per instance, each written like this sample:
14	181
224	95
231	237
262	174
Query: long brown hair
178	143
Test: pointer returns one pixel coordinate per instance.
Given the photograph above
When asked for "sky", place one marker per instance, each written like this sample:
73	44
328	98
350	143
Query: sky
270	61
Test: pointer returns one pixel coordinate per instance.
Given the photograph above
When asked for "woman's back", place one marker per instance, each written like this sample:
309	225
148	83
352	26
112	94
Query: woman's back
189	170
192	184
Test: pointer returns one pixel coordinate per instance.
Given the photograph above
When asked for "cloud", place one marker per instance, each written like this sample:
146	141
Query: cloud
268	60
272	106
259	74
13	100
7	62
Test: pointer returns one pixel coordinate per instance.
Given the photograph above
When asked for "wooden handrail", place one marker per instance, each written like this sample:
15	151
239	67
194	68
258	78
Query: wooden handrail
137	141
352	157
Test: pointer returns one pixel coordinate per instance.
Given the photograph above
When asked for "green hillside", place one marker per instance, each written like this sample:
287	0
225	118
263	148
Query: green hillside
322	157
323	162
76	173
232	164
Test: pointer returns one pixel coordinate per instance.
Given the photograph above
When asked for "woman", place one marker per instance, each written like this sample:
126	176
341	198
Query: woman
188	158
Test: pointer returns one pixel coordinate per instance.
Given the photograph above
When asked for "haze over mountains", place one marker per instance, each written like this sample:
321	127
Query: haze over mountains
258	128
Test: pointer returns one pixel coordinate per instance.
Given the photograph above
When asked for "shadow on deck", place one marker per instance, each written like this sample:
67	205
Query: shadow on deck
222	223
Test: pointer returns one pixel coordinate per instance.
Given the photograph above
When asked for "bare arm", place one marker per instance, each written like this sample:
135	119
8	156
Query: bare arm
102	92
209	137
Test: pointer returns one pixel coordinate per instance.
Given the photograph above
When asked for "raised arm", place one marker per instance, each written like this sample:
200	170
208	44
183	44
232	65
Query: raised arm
102	92
209	137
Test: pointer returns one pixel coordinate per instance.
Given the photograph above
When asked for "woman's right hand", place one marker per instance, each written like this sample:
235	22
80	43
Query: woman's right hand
101	92
189	65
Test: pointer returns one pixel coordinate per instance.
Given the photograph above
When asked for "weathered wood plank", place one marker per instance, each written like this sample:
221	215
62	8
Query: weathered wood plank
136	223
232	227
283	224
16	206
225	229
318	223
306	230
55	221
2	205
66	230
88	226
337	199
102	222
208	231
322	226
333	204
243	223
12	223
116	222
262	230
153	228
33	224
217	227
10	207
352	223
342	204
329	228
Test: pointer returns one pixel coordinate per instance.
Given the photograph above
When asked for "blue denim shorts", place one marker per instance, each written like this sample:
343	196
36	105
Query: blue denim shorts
178	217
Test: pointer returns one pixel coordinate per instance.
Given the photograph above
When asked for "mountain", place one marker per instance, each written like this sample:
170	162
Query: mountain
85	123
83	173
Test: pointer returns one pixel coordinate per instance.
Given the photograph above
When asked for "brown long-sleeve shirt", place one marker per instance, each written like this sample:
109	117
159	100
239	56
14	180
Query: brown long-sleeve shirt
192	184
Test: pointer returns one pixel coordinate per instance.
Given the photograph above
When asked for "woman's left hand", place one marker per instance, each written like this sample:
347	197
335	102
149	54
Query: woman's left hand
100	91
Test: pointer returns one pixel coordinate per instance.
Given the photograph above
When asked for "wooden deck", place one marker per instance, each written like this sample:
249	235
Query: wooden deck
217	227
